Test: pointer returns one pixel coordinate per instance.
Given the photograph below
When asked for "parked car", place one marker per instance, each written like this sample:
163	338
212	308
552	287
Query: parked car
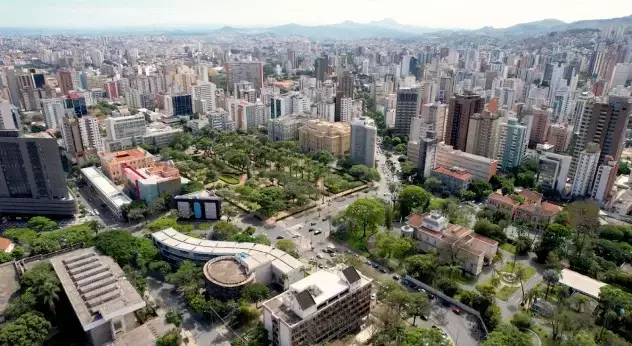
295	235
383	270
424	317
405	282
367	262
456	310
320	255
396	277
374	265
373	296
313	223
311	230
318	232
280	237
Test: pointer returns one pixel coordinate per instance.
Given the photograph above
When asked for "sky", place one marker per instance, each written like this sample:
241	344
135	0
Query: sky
467	14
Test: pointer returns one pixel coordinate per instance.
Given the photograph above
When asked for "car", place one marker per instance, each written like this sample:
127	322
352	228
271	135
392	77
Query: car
421	290
374	265
435	326
320	255
367	262
96	212
332	254
383	270
424	317
373	296
313	223
295	235
405	282
311	230
444	334
325	250
456	311
321	266
318	232
324	219
280	237
396	277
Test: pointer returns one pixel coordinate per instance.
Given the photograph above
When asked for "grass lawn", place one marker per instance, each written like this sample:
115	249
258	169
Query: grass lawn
505	292
466	279
544	336
508	247
436	203
229	179
509	267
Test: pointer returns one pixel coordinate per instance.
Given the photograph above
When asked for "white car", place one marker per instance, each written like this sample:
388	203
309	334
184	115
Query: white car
295	235
373	296
320	255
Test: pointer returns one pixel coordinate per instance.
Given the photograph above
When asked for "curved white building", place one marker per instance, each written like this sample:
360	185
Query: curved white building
269	264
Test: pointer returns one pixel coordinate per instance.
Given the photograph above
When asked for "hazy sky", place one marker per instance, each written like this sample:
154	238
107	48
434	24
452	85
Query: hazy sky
429	13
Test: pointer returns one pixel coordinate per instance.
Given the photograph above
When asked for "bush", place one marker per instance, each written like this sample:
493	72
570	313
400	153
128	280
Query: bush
229	179
522	320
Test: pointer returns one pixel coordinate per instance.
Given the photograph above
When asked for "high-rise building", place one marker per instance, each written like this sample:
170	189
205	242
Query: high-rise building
67	80
604	123
9	116
481	168
560	136
316	135
204	91
435	113
408	106
111	89
81	136
587	163
32	180
621	74
118	128
512	146
540	125
323	306
553	171
182	104
346	110
54	112
483	134
363	141
422	153
322	65
345	85
461	108
604	180
244	71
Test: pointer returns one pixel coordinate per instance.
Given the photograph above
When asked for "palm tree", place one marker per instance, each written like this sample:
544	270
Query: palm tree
581	301
551	277
521	275
495	281
608	317
48	293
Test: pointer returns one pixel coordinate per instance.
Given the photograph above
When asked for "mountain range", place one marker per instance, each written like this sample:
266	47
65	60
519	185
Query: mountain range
385	28
391	28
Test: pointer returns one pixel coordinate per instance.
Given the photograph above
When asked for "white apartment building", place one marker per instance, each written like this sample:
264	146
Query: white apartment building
586	170
553	171
323	306
435	115
606	174
346	110
326	111
512	147
130	126
481	168
54	111
9	116
422	153
203	91
285	128
132	99
363	141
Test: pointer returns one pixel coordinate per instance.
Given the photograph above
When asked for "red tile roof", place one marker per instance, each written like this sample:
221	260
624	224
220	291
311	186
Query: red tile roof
531	196
457	175
502	199
484	239
4	244
551	209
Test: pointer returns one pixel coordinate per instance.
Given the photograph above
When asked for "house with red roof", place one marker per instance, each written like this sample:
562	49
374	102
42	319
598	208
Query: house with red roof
532	210
432	230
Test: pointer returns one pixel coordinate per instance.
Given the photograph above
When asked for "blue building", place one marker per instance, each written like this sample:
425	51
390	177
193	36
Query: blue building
200	205
182	105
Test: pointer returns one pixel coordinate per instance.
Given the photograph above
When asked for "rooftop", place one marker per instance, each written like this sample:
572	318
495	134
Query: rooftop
9	284
502	199
160	171
258	253
454	173
105	186
125	155
226	270
96	287
5	244
202	194
531	196
581	283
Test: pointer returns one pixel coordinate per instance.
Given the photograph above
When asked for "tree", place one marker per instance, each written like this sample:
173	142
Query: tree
192	186
157	205
256	335
581	302
172	338
187	274
366	213
173	317
255	292
485	228
447	286
48	293
41	224
581	339
161	268
508	187
624	168
418	305
551	277
223	230
522	320
481	188
495	182
408	168
413	197
118	244
584	219
422	267
507	334
27	330
287	246
427	337
553	239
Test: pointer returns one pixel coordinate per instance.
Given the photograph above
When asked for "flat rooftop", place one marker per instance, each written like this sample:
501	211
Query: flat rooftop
258	254
202	194
581	283
125	155
226	271
96	287
9	284
105	186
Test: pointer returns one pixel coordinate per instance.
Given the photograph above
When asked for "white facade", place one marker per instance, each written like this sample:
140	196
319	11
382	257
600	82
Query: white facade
9	117
586	169
622	72
346	110
481	168
125	127
600	192
363	141
553	171
204	91
53	110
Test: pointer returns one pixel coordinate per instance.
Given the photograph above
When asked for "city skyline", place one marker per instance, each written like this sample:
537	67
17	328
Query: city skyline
197	13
